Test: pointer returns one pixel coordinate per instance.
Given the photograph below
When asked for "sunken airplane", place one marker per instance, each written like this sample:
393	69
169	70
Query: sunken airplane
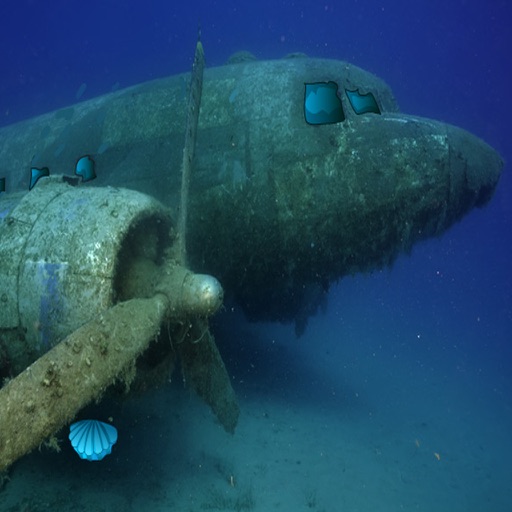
305	170
279	207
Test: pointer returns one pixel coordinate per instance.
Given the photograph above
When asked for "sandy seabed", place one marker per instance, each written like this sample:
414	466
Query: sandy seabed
334	421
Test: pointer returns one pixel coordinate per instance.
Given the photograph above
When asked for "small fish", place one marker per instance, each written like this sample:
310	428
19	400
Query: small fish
80	91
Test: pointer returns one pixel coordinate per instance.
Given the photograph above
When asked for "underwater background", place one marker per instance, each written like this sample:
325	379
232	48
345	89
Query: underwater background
399	395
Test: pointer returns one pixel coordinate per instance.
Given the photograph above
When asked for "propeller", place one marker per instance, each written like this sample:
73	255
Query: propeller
49	393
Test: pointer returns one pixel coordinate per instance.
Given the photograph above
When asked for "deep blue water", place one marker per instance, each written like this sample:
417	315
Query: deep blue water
449	60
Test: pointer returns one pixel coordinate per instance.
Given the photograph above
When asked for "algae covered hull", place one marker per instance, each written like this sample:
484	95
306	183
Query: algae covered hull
279	207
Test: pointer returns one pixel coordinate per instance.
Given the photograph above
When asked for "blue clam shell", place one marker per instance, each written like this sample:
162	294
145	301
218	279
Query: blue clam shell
92	439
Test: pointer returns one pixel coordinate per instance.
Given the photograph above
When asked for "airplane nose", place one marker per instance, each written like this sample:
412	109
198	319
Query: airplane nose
475	169
418	173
